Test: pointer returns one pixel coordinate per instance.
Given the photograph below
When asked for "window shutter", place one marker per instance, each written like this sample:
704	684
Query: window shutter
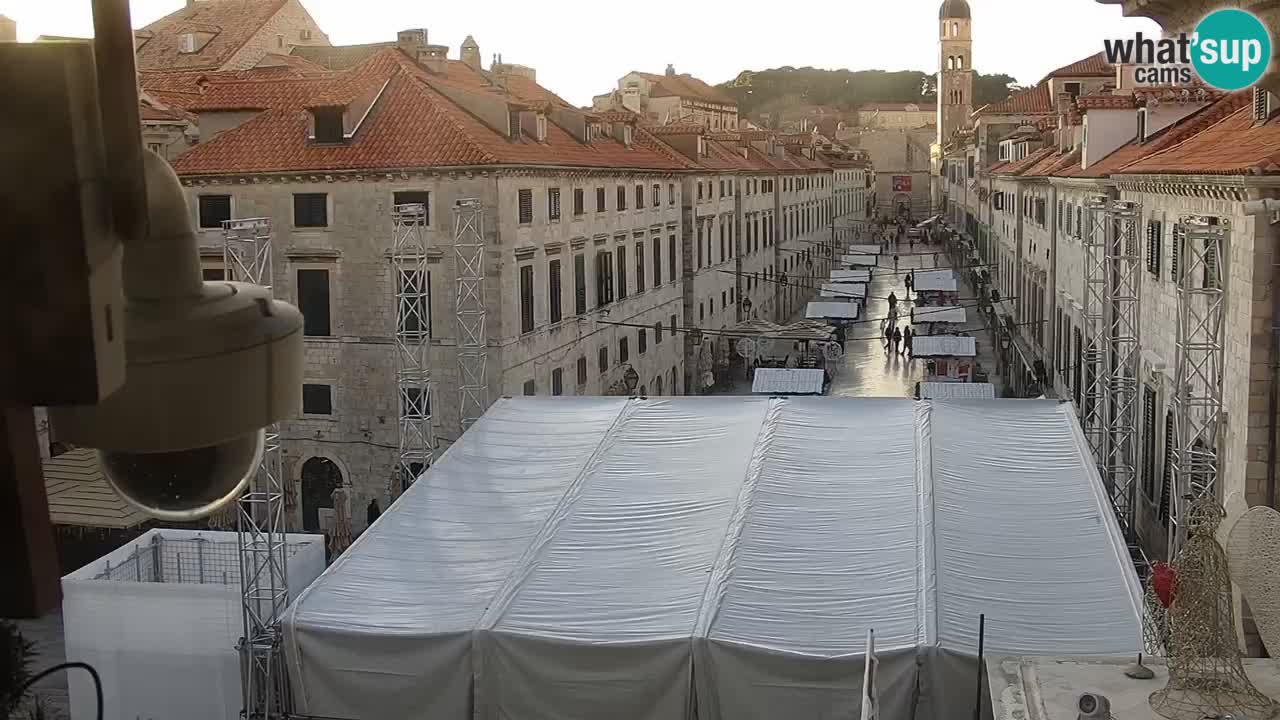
526	206
1149	442
1179	240
1170	452
1210	266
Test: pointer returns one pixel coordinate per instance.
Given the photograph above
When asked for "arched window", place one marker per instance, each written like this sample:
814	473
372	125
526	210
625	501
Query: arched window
951	62
959	62
955	29
320	477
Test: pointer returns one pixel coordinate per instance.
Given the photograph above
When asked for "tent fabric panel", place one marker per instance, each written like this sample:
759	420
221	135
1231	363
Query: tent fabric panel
1045	563
386	617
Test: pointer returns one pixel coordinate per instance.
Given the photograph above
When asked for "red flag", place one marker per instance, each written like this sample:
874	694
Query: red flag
1164	580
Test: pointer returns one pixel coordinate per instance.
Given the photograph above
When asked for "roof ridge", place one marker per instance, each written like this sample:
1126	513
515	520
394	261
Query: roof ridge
447	107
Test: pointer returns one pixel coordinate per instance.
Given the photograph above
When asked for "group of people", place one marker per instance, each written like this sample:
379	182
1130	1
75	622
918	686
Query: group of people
898	339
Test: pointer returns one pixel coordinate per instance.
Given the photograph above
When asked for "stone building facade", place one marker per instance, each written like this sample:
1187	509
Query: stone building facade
1026	213
671	98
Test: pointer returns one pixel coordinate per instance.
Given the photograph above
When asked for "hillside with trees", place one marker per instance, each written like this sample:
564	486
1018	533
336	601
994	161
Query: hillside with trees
845	90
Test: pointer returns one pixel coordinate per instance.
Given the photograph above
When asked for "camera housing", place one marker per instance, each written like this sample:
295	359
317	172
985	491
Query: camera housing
208	366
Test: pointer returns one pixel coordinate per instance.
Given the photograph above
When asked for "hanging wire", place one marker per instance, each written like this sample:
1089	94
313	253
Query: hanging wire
97	680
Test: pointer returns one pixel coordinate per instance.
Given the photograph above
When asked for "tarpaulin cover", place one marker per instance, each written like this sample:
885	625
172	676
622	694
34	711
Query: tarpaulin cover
860	260
944	346
865	250
788	381
836	310
935	281
653	559
844	289
847	276
951	314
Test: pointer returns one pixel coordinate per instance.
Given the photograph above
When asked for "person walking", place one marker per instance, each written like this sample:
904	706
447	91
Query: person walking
893	301
895	262
888	336
909	281
897	339
907	336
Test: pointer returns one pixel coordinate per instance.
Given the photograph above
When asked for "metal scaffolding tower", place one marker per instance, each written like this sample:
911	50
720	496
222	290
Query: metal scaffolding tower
260	526
1198	245
416	436
1093	399
468	243
1122	351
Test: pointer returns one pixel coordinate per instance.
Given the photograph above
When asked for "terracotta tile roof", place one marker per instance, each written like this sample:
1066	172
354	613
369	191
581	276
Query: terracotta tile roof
1094	65
1031	101
1019	167
676	129
1106	102
685	86
230	22
412	125
294	63
1219	140
339	57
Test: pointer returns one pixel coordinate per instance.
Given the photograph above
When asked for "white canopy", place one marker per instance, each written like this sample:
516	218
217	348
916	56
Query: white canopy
860	276
940	314
865	249
836	310
847	290
862	260
944	346
788	381
633	559
935	281
957	391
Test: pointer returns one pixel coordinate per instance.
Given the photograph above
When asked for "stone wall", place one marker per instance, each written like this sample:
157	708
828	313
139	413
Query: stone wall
292	25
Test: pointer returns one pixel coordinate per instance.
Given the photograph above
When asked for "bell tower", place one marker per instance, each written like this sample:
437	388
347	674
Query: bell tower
955	68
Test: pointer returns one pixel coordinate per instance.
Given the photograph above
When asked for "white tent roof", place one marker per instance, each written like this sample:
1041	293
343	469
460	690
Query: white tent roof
957	391
935	281
940	314
788	381
944	346
836	310
865	249
629	558
860	276
863	260
846	290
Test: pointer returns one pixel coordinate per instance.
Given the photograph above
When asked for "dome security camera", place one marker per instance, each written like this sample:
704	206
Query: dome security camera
1093	706
208	366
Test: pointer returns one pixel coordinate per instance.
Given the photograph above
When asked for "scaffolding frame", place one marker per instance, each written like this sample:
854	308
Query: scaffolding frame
468	243
1094	398
1199	244
260	520
1123	351
415	439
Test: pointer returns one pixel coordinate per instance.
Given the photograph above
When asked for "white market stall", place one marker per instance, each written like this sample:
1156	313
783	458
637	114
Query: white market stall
936	287
949	358
930	317
956	391
637	558
865	250
160	618
788	381
844	290
837	310
848	276
860	261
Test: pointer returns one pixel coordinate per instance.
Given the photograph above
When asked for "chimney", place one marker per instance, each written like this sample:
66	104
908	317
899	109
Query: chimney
470	53
434	58
411	41
671	70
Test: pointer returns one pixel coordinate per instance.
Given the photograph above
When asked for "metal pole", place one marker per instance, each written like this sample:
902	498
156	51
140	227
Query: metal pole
982	636
121	126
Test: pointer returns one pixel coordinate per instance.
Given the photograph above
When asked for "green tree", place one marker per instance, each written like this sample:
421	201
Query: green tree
771	90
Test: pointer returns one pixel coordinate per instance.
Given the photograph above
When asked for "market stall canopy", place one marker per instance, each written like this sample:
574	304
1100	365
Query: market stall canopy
575	557
847	290
848	276
862	260
837	310
788	381
799	330
957	391
935	281
928	222
940	314
944	346
865	250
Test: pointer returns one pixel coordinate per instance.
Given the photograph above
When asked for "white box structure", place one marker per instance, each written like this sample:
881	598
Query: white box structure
160	618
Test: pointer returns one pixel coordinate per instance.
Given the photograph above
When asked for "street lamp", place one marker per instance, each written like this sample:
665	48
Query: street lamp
631	379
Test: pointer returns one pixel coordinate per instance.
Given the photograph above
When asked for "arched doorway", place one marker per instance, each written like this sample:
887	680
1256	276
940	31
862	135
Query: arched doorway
320	477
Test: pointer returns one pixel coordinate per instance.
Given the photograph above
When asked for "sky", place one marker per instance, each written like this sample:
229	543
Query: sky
580	49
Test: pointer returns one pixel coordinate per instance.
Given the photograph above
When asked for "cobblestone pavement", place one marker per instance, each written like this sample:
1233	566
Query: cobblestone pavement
869	369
